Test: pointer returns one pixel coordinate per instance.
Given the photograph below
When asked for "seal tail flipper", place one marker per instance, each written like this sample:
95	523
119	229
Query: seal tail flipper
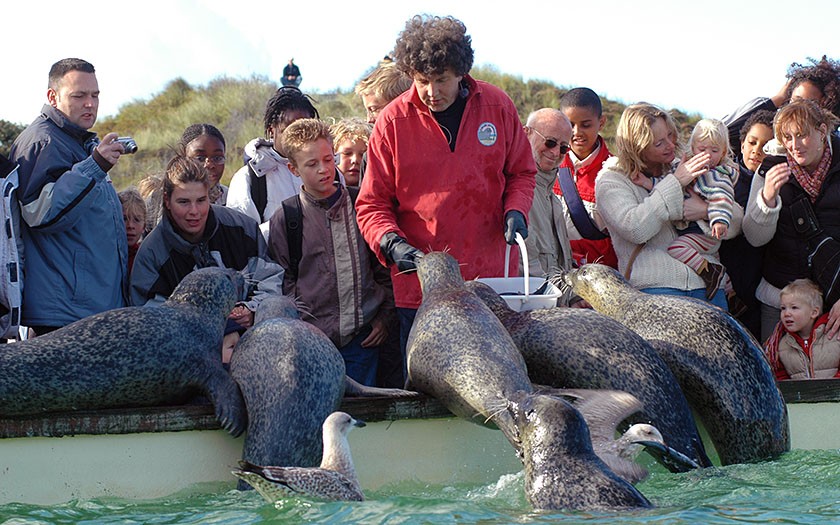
353	388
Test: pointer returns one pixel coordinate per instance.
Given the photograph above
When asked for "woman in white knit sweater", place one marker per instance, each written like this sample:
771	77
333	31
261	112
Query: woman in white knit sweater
639	192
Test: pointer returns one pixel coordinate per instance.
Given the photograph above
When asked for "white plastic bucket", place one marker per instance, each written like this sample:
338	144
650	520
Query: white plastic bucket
516	291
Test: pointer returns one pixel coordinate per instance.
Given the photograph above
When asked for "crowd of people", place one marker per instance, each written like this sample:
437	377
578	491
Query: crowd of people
745	216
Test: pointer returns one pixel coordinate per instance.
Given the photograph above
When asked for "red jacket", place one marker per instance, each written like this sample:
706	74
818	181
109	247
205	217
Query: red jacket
585	250
443	200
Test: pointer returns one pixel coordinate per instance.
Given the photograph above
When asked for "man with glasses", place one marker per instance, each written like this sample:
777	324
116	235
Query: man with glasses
549	132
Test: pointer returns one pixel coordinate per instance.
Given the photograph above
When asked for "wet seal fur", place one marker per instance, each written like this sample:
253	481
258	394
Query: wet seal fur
580	348
130	357
562	470
292	377
719	365
459	352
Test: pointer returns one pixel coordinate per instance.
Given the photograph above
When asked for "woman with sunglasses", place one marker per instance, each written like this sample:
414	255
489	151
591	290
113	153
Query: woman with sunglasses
640	192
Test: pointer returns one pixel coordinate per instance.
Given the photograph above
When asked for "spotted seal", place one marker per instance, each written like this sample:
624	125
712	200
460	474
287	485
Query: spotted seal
459	352
134	356
580	348
562	470
334	480
292	377
719	365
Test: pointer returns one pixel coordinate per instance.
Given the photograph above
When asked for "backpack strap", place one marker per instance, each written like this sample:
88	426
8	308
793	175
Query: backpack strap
583	222
294	232
259	192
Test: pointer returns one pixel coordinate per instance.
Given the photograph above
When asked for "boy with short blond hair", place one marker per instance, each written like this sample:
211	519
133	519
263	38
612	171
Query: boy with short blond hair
330	271
381	86
588	152
350	140
799	347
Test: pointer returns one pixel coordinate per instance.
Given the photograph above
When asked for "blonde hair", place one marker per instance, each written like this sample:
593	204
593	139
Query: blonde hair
302	132
132	202
386	82
806	290
715	131
805	115
350	129
634	134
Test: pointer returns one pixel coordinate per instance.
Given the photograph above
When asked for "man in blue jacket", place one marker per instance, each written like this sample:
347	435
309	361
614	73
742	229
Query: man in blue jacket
75	250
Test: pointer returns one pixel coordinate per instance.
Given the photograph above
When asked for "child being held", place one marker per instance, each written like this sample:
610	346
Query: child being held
134	215
717	188
350	136
336	281
799	347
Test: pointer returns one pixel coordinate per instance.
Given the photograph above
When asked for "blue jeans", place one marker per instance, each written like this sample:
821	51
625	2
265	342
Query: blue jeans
406	317
359	362
718	300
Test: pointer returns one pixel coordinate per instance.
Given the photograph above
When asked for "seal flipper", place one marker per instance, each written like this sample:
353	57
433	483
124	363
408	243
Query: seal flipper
227	400
353	388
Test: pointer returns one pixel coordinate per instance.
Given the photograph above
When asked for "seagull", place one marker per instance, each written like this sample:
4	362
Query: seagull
603	411
334	480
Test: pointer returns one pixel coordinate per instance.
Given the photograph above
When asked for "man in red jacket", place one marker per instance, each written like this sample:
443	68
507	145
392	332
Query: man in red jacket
449	166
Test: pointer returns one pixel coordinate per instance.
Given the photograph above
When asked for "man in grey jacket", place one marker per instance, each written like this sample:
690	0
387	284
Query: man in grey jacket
74	234
549	252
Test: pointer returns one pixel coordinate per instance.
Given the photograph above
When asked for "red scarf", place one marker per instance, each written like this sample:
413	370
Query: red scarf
811	182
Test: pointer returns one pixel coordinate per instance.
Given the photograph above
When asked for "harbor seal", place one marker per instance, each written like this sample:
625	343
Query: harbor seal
334	480
580	348
719	365
292	377
130	357
562	470
459	352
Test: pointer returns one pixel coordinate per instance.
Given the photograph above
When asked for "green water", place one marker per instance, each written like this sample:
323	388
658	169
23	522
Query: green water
802	487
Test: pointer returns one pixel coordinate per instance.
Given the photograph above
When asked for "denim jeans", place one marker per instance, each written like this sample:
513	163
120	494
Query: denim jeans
406	317
359	362
700	293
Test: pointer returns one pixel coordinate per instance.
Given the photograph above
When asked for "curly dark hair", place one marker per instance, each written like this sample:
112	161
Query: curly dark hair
824	74
431	44
762	116
287	98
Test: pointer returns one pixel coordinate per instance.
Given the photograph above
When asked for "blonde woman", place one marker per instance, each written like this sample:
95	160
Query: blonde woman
639	193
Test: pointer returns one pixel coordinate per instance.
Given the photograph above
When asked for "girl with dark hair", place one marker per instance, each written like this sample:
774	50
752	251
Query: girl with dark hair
265	181
206	145
194	234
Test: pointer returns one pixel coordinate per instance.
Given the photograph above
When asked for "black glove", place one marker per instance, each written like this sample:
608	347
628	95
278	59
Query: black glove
515	222
398	251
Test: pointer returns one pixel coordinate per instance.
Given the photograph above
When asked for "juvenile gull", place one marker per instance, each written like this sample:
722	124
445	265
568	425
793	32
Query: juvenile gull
334	480
603	411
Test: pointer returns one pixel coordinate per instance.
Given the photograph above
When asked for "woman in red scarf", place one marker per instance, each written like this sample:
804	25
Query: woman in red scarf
794	208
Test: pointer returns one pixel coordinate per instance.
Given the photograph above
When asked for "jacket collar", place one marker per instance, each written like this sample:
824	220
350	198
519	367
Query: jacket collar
181	245
59	119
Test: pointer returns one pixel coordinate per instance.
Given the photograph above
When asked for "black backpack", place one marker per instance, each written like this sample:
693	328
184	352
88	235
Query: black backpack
292	211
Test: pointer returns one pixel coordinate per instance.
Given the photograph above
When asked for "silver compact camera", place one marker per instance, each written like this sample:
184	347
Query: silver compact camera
129	145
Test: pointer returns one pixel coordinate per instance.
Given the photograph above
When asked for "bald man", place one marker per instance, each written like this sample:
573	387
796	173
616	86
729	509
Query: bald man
549	132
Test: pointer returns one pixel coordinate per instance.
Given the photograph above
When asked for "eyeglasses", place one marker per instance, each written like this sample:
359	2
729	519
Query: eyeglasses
218	159
552	143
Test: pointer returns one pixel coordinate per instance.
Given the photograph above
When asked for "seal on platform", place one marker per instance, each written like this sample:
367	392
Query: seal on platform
130	357
719	365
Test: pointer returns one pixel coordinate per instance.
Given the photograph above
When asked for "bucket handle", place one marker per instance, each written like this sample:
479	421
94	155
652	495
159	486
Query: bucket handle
524	251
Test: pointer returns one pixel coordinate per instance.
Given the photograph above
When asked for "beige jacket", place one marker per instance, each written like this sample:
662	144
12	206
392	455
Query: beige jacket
340	284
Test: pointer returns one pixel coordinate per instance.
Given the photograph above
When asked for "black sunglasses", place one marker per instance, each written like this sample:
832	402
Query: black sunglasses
552	143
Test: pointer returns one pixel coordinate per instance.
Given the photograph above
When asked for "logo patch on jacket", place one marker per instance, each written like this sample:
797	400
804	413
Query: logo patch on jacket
487	133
